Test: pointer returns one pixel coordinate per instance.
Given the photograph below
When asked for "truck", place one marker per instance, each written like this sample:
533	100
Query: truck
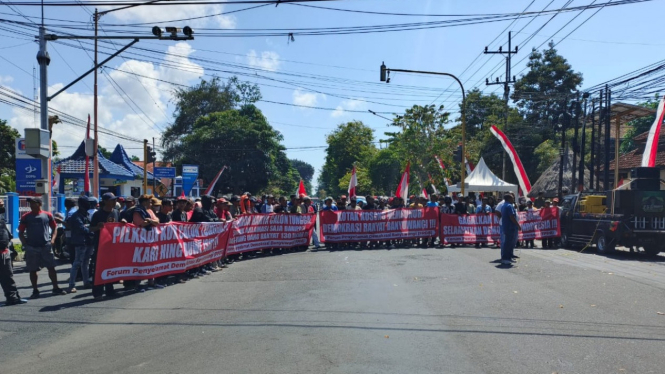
629	218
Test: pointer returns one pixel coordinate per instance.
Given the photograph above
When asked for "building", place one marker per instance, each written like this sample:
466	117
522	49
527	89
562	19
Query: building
633	159
117	175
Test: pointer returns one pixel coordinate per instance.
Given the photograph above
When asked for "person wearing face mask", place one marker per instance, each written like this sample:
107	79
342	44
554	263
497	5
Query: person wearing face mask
6	272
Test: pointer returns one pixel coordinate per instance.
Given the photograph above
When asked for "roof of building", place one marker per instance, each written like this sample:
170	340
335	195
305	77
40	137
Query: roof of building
633	159
548	183
119	156
624	113
75	165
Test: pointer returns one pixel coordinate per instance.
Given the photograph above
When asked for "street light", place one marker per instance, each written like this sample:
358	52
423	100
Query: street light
385	77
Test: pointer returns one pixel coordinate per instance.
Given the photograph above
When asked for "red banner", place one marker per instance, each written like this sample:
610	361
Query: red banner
128	252
359	225
485	228
264	231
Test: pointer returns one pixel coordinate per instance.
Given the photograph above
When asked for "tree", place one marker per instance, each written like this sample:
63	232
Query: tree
423	134
8	136
364	186
245	142
205	98
384	171
639	126
105	152
306	172
350	143
481	109
135	158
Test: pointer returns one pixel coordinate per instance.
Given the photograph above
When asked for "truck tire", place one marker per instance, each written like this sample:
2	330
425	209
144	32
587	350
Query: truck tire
605	244
565	240
652	250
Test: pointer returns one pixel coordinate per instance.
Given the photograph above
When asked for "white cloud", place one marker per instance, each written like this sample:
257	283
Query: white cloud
341	109
138	85
6	79
158	14
268	60
306	98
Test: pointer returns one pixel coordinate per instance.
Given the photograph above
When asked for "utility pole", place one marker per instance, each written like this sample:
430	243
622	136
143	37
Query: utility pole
608	115
593	144
44	60
145	166
95	142
580	179
576	148
506	89
145	172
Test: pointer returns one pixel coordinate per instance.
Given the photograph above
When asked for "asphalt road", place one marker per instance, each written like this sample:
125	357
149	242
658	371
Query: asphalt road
373	311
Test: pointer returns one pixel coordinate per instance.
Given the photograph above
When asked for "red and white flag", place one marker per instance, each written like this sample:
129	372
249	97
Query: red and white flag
651	149
301	189
441	165
86	177
469	166
522	178
424	194
403	187
353	182
214	181
431	181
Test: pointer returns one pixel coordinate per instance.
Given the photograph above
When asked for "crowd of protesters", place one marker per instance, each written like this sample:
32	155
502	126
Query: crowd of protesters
86	216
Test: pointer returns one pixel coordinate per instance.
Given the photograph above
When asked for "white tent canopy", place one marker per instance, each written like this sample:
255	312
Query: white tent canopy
482	179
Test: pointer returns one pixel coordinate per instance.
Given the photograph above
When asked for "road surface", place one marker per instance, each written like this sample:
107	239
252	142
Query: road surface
372	311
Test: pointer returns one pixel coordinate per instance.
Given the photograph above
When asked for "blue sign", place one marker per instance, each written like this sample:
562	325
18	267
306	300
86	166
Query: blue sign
28	170
190	173
164	173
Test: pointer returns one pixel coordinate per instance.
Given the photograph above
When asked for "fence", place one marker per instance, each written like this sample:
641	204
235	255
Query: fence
16	206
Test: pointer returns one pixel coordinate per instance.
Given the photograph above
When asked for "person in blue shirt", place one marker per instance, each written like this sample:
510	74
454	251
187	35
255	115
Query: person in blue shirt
483	208
509	230
433	201
329	205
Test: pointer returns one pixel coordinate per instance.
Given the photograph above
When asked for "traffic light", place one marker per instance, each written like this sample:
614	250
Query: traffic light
457	156
152	155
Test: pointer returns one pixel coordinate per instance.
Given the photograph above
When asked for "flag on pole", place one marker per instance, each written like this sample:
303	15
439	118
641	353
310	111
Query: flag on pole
431	181
301	189
424	194
469	166
353	182
214	181
441	165
403	187
522	178
86	178
651	149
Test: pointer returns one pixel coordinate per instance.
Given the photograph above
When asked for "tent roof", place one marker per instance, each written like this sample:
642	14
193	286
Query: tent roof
482	179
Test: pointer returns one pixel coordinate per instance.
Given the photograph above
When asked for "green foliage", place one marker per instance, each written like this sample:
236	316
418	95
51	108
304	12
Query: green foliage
305	171
135	158
105	152
639	126
547	153
244	141
205	98
364	186
482	109
8	136
7	181
384	171
350	143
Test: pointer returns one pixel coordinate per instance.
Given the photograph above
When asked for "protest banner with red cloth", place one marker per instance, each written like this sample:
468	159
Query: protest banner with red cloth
358	225
254	232
485	228
129	252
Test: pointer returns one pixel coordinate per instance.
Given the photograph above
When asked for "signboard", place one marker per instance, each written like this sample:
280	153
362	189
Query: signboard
189	175
161	190
162	172
649	203
28	170
20	149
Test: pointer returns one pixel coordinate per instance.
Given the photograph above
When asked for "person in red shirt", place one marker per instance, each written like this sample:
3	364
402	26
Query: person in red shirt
37	232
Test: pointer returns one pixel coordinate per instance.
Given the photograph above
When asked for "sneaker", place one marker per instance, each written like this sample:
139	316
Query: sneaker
72	290
224	266
16	302
59	291
181	281
35	294
506	262
159	286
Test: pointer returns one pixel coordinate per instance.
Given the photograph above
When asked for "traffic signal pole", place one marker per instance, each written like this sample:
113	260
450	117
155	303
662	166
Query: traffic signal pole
154	159
145	166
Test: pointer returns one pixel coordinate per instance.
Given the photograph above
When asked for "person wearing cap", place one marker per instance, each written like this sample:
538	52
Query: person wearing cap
222	210
547	242
509	230
143	214
179	214
107	214
128	212
6	271
92	206
37	232
82	241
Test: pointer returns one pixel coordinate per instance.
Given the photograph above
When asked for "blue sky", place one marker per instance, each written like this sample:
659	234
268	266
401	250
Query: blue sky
344	69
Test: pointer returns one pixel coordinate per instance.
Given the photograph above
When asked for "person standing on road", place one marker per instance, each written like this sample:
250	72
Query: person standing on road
509	229
6	272
37	232
81	240
107	214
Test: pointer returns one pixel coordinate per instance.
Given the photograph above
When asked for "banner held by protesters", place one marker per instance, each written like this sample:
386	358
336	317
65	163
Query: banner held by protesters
265	231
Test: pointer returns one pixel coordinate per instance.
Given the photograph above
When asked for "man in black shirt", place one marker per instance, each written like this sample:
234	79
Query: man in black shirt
164	213
128	213
206	213
179	214
107	214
